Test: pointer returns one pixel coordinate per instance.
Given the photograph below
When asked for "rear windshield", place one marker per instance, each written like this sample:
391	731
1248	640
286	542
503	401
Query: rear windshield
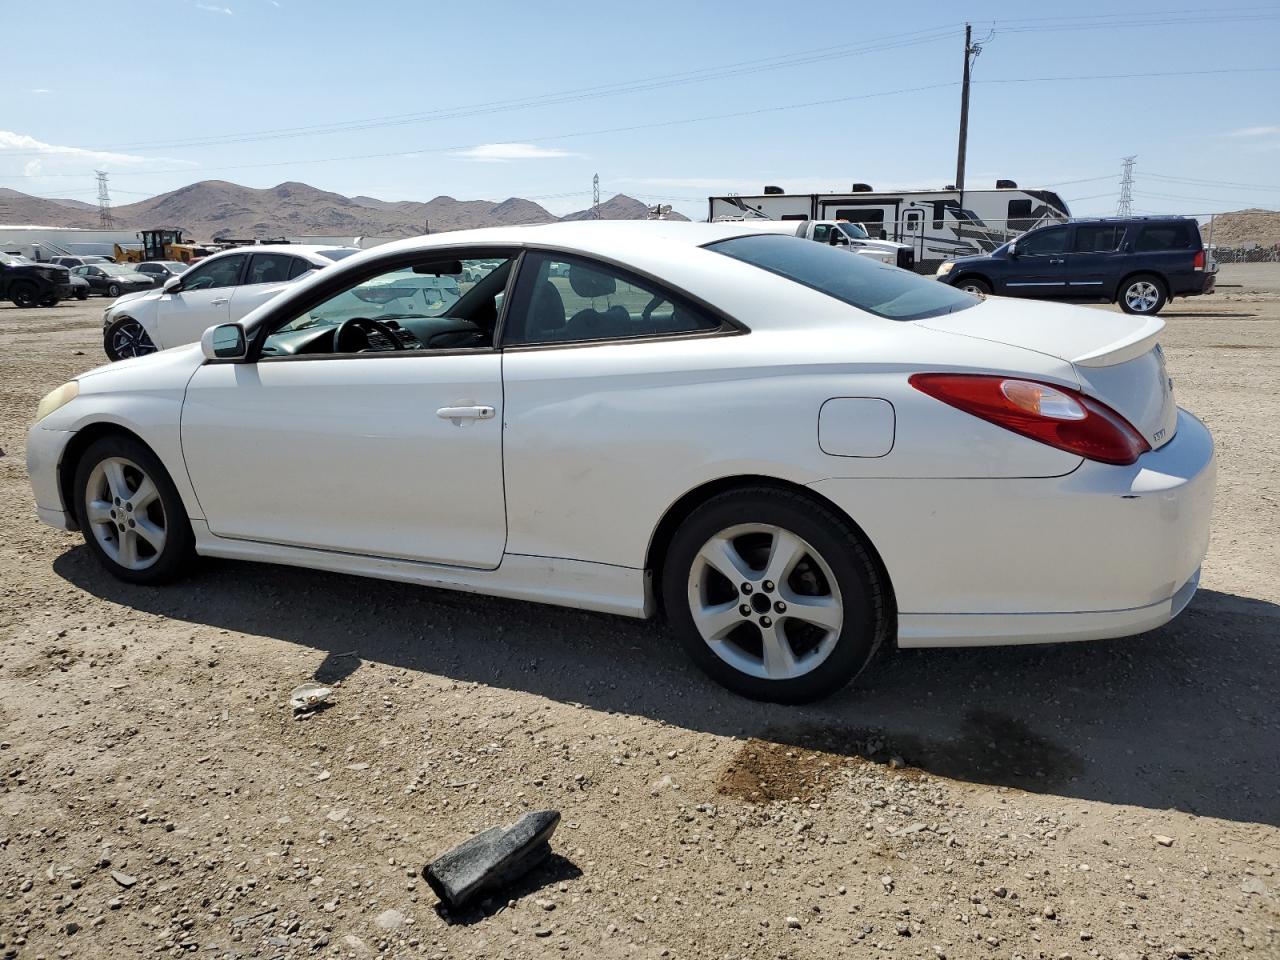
338	254
875	287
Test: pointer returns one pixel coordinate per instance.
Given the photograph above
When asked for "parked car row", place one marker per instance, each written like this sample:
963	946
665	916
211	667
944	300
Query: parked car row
28	283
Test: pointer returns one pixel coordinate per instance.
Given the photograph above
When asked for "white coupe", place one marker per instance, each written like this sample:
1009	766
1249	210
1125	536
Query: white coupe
797	455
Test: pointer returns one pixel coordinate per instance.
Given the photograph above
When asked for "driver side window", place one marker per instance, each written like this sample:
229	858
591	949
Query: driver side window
1044	243
223	272
433	303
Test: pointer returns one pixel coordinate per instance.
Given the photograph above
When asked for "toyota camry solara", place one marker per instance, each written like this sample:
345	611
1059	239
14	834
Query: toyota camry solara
794	454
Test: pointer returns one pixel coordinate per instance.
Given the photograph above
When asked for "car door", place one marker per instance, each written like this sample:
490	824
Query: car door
388	454
1093	261
202	301
267	275
1039	267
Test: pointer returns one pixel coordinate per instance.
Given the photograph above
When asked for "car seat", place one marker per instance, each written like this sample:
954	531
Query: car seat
590	323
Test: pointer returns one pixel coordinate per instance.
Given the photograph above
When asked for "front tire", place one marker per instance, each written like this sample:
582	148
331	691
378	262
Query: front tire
48	300
1144	295
130	512
774	595
24	294
127	338
975	286
82	294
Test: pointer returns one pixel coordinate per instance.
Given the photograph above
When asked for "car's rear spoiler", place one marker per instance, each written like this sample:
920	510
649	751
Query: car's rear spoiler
1128	347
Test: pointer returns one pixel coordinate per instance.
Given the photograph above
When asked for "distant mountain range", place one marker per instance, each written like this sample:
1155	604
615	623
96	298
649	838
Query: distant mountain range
216	209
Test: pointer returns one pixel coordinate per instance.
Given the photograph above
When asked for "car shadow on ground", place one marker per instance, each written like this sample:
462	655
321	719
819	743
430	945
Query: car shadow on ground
1183	717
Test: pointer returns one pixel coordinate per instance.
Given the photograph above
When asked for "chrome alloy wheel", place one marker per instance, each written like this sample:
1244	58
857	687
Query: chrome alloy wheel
765	601
129	339
1142	296
123	509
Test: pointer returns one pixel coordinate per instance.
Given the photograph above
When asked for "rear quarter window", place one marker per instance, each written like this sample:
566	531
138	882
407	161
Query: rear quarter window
1155	237
886	291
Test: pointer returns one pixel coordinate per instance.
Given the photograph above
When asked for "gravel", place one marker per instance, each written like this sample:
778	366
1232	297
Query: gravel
942	807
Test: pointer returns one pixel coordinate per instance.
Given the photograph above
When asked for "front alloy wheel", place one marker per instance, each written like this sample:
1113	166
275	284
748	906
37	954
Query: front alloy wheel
130	513
774	594
126	338
1142	295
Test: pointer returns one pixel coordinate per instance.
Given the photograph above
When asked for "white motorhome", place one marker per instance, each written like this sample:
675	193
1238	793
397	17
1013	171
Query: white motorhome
937	224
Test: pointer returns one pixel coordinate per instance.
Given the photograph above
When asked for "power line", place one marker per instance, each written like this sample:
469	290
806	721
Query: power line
725	71
1214	183
676	122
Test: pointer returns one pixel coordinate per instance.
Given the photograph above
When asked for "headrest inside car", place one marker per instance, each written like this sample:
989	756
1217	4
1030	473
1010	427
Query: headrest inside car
590	283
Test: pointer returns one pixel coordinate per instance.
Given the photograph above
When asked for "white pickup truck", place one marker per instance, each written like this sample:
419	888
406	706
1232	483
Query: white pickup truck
841	233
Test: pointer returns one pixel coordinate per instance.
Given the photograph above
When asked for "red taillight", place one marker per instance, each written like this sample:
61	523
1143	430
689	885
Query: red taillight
1198	261
1059	416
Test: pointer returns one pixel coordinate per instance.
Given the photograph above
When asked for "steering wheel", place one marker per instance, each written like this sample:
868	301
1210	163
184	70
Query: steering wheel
343	334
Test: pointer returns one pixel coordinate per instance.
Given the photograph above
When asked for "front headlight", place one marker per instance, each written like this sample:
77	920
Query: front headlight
944	268
55	399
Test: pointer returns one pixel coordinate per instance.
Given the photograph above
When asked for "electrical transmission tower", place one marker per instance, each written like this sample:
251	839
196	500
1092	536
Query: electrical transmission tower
104	202
595	197
1125	207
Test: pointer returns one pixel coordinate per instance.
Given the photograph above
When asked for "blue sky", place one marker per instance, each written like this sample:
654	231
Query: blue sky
668	101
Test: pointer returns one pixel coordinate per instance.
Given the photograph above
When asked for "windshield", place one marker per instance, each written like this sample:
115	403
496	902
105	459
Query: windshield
878	288
173	266
16	260
338	254
115	269
854	230
397	295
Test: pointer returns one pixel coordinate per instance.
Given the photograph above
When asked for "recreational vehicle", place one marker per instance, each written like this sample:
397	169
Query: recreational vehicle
937	224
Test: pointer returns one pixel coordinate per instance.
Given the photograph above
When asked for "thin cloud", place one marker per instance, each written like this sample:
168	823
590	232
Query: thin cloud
212	8
505	152
40	91
24	145
1254	132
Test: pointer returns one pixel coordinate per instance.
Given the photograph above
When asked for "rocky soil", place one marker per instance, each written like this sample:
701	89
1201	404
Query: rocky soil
158	797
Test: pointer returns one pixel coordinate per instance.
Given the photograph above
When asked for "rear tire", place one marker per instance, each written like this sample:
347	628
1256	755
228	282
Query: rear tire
130	512
113	290
1143	295
974	285
805	610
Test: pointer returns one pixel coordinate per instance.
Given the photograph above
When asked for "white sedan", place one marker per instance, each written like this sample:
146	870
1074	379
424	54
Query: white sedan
797	455
221	288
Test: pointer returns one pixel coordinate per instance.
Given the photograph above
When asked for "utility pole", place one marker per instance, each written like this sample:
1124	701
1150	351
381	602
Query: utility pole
105	220
595	197
1125	207
971	51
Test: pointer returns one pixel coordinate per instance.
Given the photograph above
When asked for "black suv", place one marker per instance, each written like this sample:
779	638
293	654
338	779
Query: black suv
1137	262
28	283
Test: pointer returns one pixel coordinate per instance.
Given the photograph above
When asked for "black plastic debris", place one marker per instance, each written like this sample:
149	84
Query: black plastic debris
492	859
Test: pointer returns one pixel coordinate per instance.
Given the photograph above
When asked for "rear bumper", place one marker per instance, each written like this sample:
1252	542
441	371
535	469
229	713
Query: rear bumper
1193	284
1101	552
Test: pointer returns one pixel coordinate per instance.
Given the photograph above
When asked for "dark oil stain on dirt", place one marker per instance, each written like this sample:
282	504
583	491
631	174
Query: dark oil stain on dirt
801	763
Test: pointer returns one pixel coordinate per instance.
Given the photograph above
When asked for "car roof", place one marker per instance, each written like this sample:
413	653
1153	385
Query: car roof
310	251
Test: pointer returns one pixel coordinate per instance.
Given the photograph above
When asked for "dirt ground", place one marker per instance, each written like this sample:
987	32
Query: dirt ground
1118	799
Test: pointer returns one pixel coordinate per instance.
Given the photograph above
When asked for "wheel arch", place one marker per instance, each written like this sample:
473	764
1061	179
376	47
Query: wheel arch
971	275
80	441
686	504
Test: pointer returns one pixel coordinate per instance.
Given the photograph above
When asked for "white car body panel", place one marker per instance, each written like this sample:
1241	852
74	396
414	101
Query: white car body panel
285	452
986	536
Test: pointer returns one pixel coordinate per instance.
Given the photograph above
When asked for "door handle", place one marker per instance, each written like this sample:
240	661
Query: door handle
1051	261
220	301
466	413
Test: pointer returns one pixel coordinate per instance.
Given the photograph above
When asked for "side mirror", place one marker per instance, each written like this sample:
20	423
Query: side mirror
172	285
1013	250
884	234
224	342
